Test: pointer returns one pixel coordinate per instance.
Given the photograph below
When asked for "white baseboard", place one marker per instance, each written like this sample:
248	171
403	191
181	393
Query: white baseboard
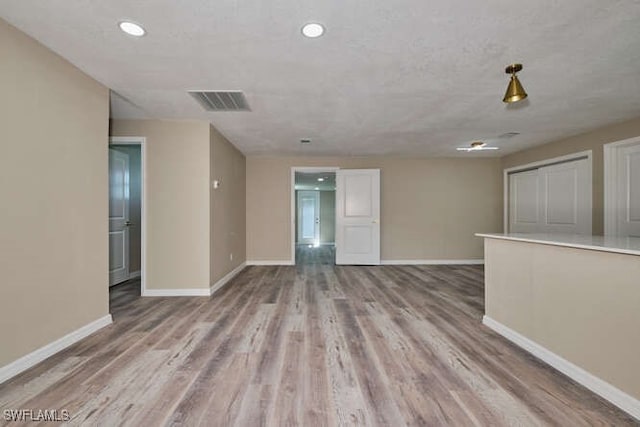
389	262
614	395
220	283
37	356
193	292
432	262
270	262
135	274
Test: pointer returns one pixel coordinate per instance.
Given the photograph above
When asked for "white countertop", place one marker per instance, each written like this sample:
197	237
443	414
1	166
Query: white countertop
621	245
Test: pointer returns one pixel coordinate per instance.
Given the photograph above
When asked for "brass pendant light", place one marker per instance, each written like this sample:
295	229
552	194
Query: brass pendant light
515	92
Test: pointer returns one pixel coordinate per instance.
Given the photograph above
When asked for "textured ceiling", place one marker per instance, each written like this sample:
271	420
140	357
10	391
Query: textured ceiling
405	77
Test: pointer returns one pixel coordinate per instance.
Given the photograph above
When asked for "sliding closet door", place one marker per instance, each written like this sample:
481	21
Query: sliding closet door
565	191
524	202
551	199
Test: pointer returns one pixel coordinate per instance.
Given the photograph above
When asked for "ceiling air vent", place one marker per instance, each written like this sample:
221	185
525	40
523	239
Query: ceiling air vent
232	100
508	135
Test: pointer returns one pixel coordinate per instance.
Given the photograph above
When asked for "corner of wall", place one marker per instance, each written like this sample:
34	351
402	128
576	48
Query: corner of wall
227	207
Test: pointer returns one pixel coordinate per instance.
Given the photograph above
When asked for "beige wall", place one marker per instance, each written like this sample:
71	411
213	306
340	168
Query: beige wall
176	200
228	211
430	207
135	182
53	188
582	305
593	140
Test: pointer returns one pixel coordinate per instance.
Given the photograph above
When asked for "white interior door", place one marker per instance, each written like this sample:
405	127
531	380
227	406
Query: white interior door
309	217
551	199
628	191
118	217
358	216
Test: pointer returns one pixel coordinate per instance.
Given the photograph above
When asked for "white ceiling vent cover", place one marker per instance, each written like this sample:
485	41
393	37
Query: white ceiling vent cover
231	100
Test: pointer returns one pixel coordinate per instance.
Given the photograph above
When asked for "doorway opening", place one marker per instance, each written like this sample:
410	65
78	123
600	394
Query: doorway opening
313	199
126	215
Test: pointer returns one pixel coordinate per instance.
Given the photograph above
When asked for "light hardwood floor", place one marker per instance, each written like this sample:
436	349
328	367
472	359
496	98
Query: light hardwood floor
310	345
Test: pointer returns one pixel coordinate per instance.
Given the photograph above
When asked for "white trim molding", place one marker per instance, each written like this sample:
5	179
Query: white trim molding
187	292
271	262
432	262
195	292
614	395
37	356
610	151
223	281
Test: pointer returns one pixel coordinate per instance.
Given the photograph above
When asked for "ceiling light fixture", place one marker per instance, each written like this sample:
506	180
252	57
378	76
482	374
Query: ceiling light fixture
132	28
312	30
515	92
477	146
320	179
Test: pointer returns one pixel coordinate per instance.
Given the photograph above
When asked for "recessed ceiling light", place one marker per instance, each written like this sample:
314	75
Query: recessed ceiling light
317	188
132	28
320	179
312	30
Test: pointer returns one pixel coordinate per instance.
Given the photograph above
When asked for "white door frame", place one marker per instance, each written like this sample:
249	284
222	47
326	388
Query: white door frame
547	162
294	169
610	178
141	141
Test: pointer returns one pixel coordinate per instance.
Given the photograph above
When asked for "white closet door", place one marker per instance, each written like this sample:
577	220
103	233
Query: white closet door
551	199
628	189
523	202
565	191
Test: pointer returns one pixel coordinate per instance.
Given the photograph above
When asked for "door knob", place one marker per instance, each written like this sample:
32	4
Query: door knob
375	221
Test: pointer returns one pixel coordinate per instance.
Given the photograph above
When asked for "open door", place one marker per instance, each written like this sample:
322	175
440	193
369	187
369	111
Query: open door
118	217
358	216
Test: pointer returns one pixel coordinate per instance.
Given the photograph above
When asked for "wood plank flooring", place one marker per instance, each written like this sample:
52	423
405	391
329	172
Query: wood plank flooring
311	345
